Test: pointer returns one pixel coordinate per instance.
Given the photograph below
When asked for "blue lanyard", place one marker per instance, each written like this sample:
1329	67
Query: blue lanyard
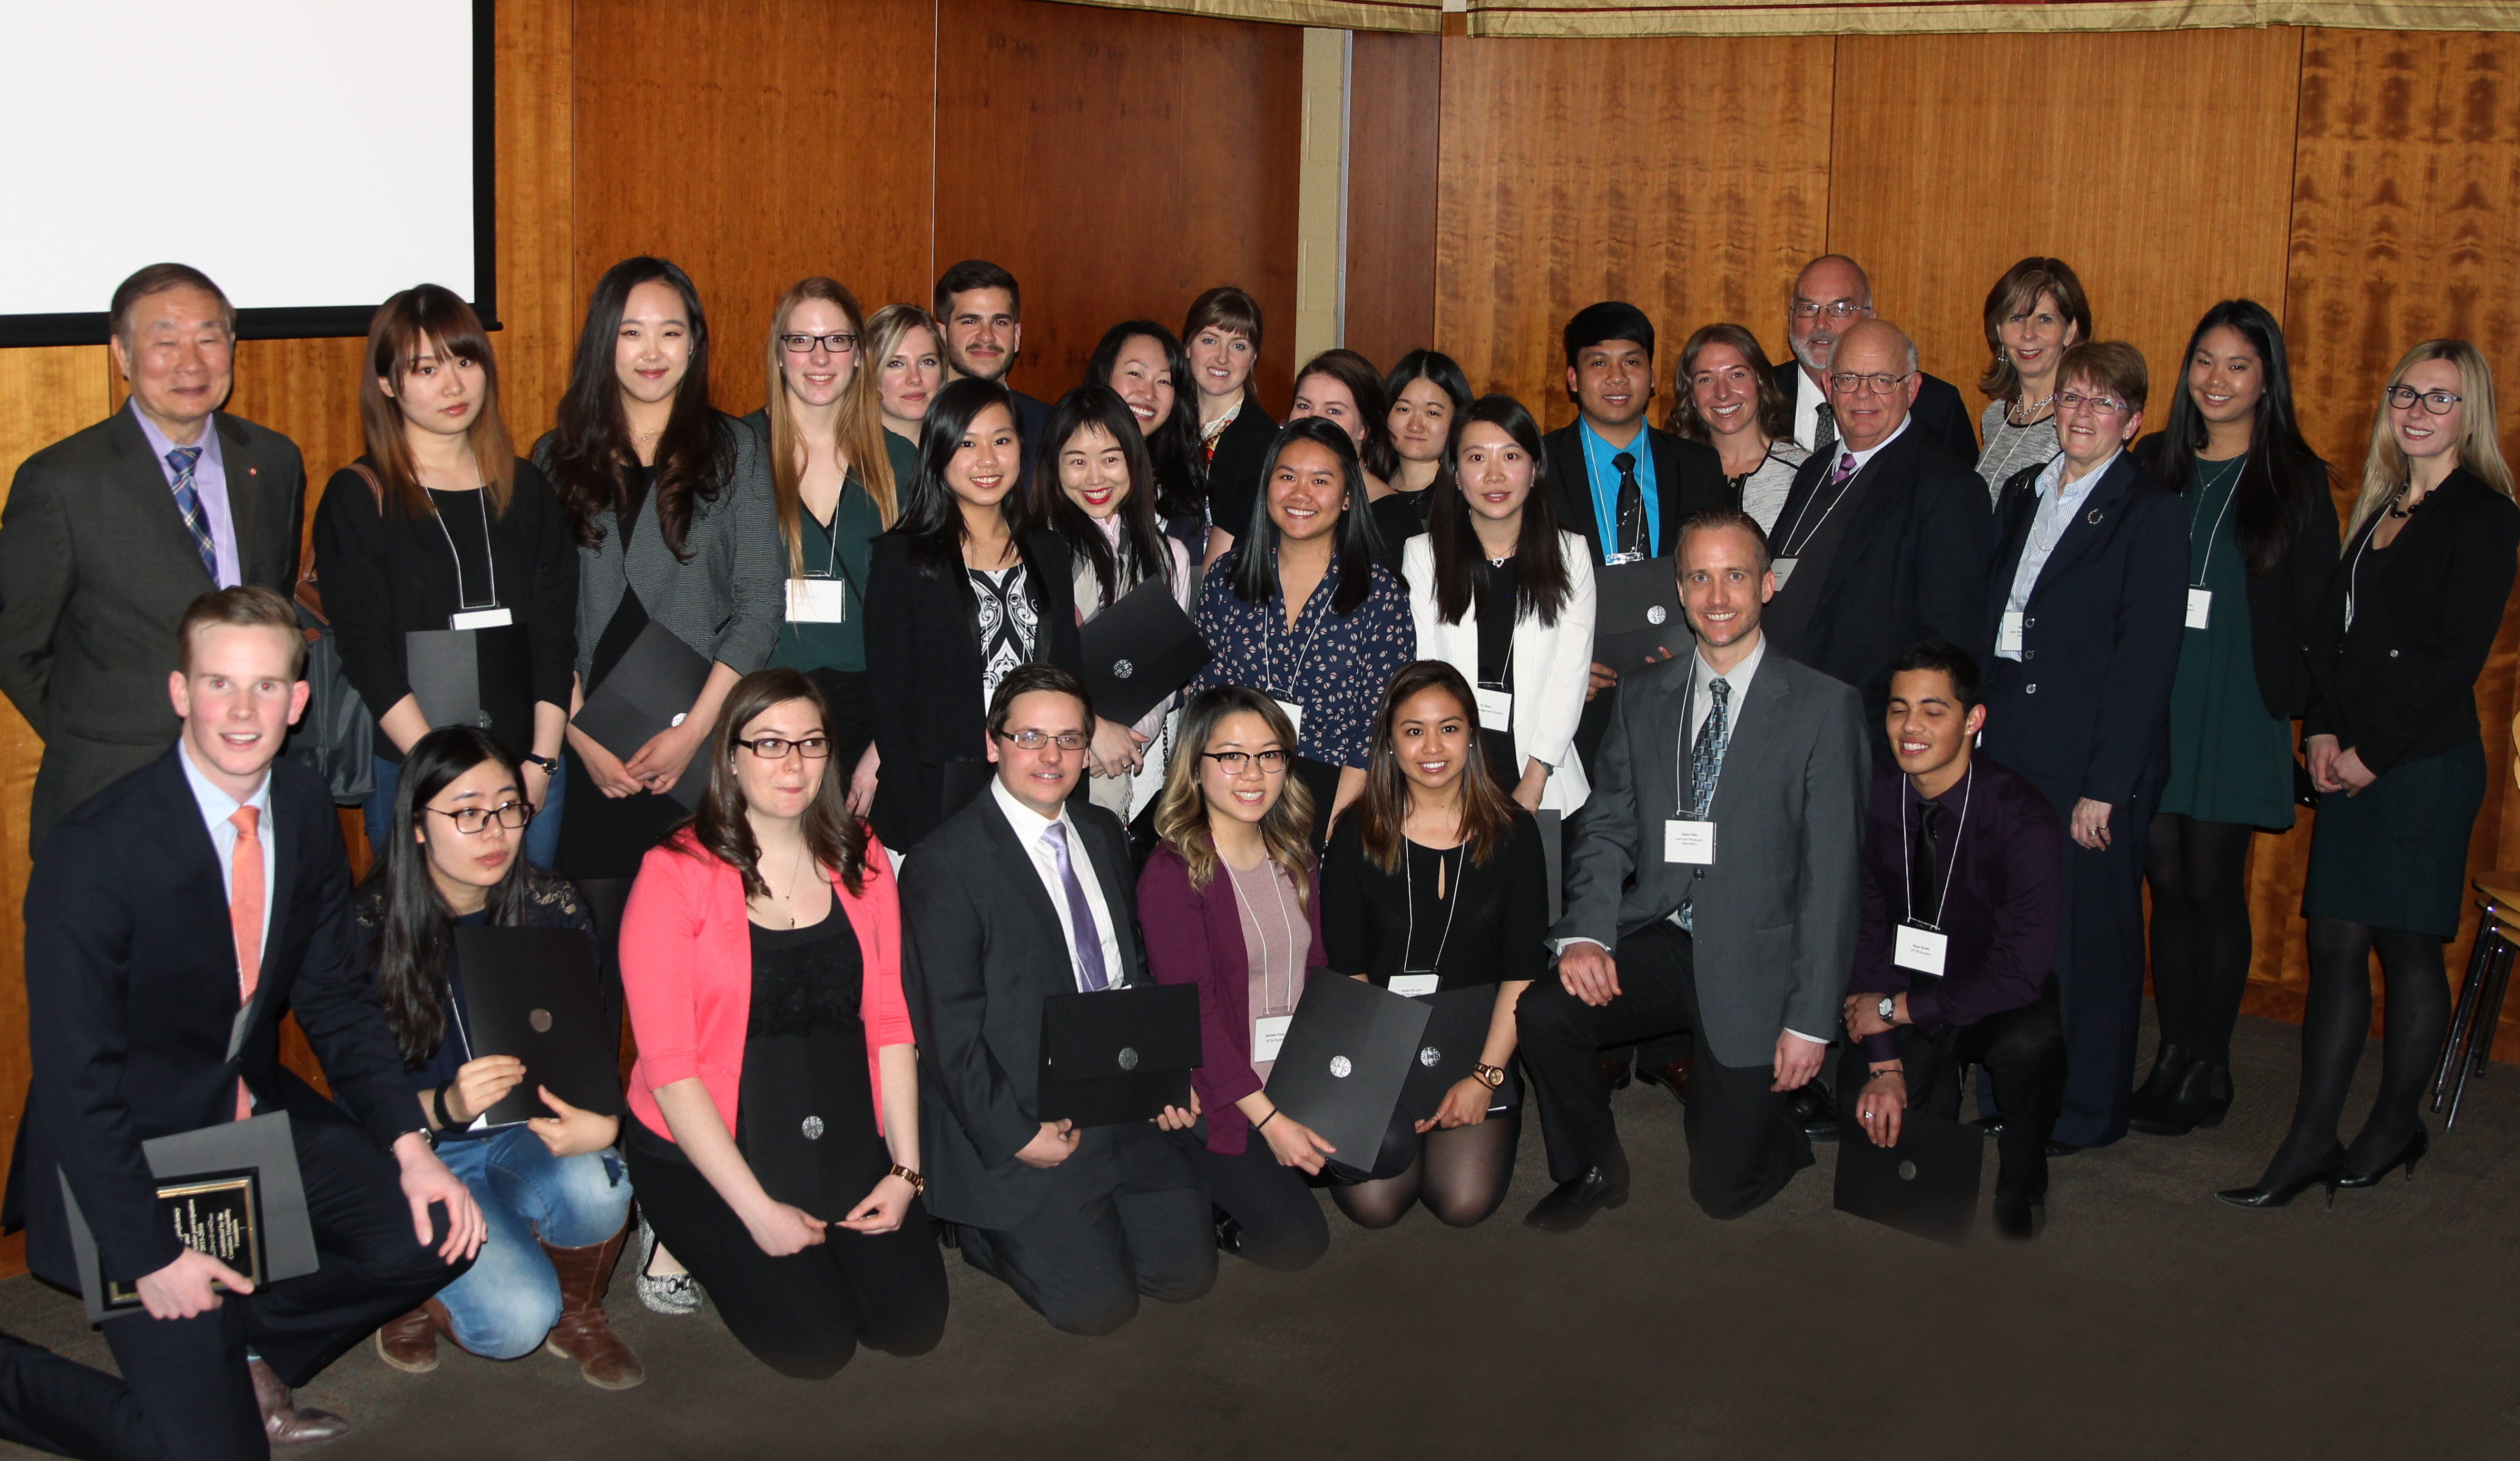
1604	510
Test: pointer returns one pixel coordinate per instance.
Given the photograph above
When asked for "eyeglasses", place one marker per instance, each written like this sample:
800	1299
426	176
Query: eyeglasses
1880	384
776	747
803	345
1033	740
1236	763
2404	398
471	820
2097	405
1837	310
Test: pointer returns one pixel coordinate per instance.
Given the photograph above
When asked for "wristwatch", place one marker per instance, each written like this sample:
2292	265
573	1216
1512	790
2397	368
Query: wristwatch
1491	1077
549	763
1888	1009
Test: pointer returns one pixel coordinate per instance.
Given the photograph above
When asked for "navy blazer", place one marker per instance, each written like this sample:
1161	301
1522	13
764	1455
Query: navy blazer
131	1003
2090	702
1687	477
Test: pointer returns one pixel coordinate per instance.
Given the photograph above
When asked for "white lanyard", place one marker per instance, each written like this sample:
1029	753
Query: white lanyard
2217	529
463	600
1794	547
1285	925
1451	907
1268	677
1907	865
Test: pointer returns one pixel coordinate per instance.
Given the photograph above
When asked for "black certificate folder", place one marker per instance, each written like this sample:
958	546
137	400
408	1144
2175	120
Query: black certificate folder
1636	611
1118	1055
650	688
231	1191
1138	651
1926	1185
1346	1055
531	993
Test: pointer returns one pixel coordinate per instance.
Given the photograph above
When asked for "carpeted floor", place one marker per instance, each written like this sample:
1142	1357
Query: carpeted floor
2149	1322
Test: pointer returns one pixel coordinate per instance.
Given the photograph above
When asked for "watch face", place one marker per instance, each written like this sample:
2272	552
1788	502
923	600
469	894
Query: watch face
1889	1007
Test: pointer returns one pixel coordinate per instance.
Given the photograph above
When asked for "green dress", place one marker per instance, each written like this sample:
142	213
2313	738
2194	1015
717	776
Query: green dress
837	549
2230	760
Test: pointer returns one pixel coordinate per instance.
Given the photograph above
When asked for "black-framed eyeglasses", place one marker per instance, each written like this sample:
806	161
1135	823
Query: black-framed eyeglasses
471	820
1236	763
776	747
803	345
1878	385
1033	740
1837	310
2097	405
2438	402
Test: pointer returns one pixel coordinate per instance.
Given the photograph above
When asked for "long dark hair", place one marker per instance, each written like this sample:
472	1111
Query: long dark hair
591	450
414	930
430	318
836	840
2272	497
1174	446
1540	586
1144	553
1426	365
932	516
1372	405
1383	812
1360	546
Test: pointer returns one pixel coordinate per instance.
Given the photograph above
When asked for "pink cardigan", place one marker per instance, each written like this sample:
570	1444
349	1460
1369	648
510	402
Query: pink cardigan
687	971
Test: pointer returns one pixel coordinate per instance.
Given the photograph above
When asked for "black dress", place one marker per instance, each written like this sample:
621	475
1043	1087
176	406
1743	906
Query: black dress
599	835
1496	612
805	1110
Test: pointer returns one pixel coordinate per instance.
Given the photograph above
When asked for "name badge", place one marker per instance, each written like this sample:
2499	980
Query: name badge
1268	1033
1415	986
817	601
480	619
2201	608
1613	560
1294	715
1920	949
1496	709
2008	635
1784	569
1689	842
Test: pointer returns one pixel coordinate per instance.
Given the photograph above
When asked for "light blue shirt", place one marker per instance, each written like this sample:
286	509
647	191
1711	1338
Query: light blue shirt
209	483
216	807
1604	476
2058	501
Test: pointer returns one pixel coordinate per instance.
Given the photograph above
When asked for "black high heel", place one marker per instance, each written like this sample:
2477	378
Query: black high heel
2326	1174
2414	1150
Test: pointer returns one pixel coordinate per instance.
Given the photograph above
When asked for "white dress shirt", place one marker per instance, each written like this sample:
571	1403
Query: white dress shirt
216	807
1032	831
1809	398
2058	501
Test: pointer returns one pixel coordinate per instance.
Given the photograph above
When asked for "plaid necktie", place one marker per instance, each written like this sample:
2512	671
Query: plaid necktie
1705	765
189	503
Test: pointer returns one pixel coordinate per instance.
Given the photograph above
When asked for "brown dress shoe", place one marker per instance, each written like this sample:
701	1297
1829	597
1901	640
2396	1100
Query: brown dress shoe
582	1333
1615	1073
283	1419
409	1344
1672	1078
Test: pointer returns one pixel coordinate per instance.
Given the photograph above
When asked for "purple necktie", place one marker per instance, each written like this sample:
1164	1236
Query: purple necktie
1080	913
1845	469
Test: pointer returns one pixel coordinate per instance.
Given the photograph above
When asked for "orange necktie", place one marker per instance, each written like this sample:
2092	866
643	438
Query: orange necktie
245	918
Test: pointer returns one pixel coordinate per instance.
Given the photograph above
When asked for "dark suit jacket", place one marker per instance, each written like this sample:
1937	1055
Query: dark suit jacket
981	949
922	649
97	566
1938	409
1032	418
1910	566
2099	637
1687	476
1234	472
131	1003
2427	610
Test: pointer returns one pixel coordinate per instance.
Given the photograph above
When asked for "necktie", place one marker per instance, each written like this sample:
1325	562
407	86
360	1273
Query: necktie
1924	907
1631	506
1844	470
1824	428
189	502
1080	913
1705	765
245	918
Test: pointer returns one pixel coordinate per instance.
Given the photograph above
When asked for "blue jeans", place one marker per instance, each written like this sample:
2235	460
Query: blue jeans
510	1297
542	834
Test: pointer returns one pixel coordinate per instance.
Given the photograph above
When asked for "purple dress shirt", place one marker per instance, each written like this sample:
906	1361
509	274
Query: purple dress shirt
209	483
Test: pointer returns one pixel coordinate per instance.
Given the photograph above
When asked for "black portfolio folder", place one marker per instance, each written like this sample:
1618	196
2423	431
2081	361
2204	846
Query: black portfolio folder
1345	1057
1118	1055
1138	651
650	688
1637	612
1455	1036
531	993
473	677
1926	1185
231	1191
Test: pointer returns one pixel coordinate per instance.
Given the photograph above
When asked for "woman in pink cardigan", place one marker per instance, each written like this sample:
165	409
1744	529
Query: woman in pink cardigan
776	1145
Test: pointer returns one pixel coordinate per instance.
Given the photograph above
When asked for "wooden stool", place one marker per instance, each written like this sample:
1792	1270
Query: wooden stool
2479	995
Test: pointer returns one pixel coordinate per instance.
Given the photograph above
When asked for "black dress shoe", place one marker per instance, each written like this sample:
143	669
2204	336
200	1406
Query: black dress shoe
1571	1205
2201	1097
1814	1110
1672	1078
2407	1156
2019	1219
1990	1126
2326	1173
2150	1099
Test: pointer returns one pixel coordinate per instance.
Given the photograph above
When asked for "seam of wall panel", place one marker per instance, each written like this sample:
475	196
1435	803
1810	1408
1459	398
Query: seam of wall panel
1347	120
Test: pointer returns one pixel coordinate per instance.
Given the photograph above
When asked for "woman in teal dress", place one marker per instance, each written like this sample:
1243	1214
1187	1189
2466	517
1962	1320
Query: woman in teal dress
2262	539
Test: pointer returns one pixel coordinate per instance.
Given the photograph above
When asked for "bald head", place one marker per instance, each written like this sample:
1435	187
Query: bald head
1830	294
1870	353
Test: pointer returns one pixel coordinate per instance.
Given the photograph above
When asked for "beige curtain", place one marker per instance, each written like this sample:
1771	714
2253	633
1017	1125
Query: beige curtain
1633	17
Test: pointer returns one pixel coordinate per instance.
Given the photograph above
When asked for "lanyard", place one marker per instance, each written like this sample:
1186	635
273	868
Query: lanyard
1268	630
2217	529
1452	906
464	599
1794	546
1285	925
832	538
1907	864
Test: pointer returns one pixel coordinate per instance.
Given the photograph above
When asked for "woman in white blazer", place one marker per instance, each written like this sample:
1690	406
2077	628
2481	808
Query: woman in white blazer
1505	598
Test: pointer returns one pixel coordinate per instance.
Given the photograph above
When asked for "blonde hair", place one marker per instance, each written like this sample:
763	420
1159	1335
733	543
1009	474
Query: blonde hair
1181	811
887	327
859	426
2385	468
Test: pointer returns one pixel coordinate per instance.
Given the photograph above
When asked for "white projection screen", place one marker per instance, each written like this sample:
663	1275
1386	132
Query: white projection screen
312	156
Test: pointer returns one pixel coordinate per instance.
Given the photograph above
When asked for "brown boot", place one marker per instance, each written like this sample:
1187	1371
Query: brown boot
582	1333
283	1419
410	1344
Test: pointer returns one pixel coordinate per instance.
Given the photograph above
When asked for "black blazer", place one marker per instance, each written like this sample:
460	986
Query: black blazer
1911	565
981	949
2281	601
922	649
131	1002
2401	686
2099	636
1938	409
1687	477
1234	472
1032	420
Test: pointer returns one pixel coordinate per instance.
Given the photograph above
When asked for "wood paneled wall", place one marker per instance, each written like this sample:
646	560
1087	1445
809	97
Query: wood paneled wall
1395	164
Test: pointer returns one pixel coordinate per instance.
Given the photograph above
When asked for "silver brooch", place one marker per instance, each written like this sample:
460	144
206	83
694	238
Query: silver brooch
1339	1067
1121	669
813	1128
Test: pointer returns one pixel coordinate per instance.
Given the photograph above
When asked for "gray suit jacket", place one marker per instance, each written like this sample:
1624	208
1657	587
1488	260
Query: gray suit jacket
1775	915
96	567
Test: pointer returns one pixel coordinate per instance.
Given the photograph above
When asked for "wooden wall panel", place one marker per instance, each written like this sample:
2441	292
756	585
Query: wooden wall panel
1117	163
1395	102
1582	171
2157	164
755	141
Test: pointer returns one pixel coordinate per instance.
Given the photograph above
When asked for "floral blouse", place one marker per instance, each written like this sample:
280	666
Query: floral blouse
1331	666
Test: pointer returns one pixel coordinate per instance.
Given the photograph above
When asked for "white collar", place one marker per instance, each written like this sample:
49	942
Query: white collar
216	803
2053	474
1865	455
1738	676
1029	825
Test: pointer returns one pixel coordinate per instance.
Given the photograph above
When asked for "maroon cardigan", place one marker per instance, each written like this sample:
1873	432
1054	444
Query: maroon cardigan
1195	936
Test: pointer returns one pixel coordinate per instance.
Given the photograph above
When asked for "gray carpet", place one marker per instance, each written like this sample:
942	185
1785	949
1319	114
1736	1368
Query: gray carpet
2148	1321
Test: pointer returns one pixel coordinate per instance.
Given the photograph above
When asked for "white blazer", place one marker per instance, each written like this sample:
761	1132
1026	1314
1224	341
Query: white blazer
1553	663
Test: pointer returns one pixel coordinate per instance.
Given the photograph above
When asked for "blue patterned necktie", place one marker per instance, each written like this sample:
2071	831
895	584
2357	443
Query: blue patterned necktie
189	502
1705	766
1080	913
